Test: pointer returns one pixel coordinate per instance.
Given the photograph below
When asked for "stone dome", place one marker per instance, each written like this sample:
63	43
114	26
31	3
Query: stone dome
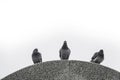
65	70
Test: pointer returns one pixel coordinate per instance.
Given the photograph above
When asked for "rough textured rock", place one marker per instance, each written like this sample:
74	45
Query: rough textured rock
65	70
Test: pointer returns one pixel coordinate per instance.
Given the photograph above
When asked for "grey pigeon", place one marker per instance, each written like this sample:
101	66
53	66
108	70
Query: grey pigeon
64	52
36	56
98	57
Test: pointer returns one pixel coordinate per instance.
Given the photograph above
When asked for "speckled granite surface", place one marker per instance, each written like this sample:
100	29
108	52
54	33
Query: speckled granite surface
65	70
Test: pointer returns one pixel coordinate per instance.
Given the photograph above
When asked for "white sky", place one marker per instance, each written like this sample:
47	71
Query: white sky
87	25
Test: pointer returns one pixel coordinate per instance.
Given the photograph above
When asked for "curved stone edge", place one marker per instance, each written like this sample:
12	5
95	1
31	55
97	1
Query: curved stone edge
73	63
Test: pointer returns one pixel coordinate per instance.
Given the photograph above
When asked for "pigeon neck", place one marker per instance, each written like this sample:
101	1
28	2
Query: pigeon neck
101	54
35	51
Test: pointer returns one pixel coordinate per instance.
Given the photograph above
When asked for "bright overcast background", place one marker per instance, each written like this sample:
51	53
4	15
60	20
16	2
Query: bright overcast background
87	25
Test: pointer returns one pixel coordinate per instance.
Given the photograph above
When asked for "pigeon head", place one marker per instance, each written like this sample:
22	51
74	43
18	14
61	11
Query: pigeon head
65	45
35	50
101	53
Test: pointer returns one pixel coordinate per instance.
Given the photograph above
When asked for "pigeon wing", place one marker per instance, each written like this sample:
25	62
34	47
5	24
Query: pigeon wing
95	55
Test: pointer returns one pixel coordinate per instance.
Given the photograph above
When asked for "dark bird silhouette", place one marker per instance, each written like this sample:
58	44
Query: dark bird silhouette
36	56
64	52
98	57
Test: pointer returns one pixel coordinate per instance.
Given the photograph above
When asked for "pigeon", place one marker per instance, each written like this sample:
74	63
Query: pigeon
36	56
64	52
98	57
